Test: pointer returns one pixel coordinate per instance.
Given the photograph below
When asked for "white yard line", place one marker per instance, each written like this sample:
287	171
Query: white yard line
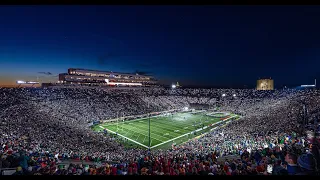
152	129
169	139
179	124
138	137
127	138
156	130
129	121
141	129
189	133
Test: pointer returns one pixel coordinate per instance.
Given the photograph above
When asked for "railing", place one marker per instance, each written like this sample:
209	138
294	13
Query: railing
7	171
66	163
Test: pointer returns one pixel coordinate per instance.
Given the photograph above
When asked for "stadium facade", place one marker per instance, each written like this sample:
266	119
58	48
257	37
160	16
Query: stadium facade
105	78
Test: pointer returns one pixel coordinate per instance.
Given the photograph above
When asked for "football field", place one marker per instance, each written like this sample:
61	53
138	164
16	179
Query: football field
163	129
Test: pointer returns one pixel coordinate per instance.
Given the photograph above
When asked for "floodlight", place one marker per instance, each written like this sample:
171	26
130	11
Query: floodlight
234	95
173	86
223	95
185	108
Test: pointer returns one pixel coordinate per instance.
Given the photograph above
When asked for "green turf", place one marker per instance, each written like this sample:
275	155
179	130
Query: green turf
162	128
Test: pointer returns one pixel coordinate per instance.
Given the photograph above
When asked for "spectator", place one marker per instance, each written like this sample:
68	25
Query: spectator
42	127
307	164
292	165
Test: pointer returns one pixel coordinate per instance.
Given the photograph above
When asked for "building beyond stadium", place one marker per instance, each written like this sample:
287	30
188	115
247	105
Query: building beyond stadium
105	78
265	84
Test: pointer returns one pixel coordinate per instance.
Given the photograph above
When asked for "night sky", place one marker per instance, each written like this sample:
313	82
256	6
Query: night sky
216	46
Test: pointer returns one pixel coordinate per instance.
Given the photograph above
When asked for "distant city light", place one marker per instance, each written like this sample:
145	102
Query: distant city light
308	85
32	82
223	95
173	86
27	82
21	82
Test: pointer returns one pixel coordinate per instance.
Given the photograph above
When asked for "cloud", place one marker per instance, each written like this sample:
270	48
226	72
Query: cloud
46	73
143	72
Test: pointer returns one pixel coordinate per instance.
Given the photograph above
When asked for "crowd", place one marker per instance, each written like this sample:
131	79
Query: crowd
40	128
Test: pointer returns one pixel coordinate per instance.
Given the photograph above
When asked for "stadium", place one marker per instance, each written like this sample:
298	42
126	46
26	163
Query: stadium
103	131
159	90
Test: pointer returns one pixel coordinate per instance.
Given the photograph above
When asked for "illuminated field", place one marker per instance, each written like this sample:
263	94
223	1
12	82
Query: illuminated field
163	129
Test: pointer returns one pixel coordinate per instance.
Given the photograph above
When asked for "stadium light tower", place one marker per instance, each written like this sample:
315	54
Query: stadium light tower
149	126
117	121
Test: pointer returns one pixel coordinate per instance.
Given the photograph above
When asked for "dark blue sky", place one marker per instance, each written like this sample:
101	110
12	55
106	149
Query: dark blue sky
195	45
